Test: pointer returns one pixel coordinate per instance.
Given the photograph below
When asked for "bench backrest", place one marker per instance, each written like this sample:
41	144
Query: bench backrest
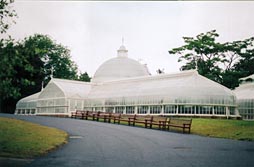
80	111
116	115
144	117
93	112
179	121
129	116
159	118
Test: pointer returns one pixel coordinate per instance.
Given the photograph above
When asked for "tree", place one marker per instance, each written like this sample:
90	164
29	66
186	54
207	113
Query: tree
6	14
6	49
84	77
55	58
26	64
246	63
212	59
12	64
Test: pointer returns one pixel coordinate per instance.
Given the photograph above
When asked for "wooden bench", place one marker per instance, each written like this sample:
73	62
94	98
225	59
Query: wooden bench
159	121
140	119
78	114
179	123
95	115
122	118
73	114
106	116
92	114
116	117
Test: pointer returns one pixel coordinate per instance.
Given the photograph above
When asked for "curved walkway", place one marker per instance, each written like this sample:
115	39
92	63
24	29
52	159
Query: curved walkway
101	144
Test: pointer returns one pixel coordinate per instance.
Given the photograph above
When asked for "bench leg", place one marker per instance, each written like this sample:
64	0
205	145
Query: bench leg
164	127
186	128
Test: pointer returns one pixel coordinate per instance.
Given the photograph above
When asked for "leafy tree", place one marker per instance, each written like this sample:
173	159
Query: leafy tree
84	77
6	13
25	64
246	63
12	64
6	48
214	60
54	57
46	58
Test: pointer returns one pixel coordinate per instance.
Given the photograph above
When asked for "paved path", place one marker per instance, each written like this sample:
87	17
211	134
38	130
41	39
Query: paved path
101	144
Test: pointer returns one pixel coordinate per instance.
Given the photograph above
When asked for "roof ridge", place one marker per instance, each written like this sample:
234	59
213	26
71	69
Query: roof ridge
71	81
153	77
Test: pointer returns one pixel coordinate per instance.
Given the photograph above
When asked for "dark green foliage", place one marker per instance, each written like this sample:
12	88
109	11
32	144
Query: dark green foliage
26	64
12	64
224	63
52	56
15	72
6	14
246	64
84	77
230	78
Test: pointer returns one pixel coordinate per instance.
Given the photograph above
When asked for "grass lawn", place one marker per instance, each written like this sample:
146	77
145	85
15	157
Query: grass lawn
22	139
222	128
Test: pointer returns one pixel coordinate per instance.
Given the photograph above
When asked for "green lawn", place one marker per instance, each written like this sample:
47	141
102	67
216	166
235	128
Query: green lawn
25	140
222	128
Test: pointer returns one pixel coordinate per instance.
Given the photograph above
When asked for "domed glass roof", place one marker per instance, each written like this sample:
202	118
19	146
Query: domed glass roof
245	91
246	88
28	102
120	67
184	87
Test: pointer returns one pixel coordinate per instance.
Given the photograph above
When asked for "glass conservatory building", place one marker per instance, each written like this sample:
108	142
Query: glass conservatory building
245	97
59	97
27	105
123	85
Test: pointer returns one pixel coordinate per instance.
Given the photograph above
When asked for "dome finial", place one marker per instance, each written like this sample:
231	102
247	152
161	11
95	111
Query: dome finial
122	40
122	51
52	72
42	83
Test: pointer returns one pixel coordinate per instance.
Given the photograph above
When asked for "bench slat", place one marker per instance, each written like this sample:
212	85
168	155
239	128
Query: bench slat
179	123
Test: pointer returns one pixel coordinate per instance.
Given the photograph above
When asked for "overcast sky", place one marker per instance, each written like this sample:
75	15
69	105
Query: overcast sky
93	31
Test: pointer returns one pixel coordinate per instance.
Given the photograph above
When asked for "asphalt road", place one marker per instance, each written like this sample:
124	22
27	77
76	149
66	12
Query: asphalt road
95	144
